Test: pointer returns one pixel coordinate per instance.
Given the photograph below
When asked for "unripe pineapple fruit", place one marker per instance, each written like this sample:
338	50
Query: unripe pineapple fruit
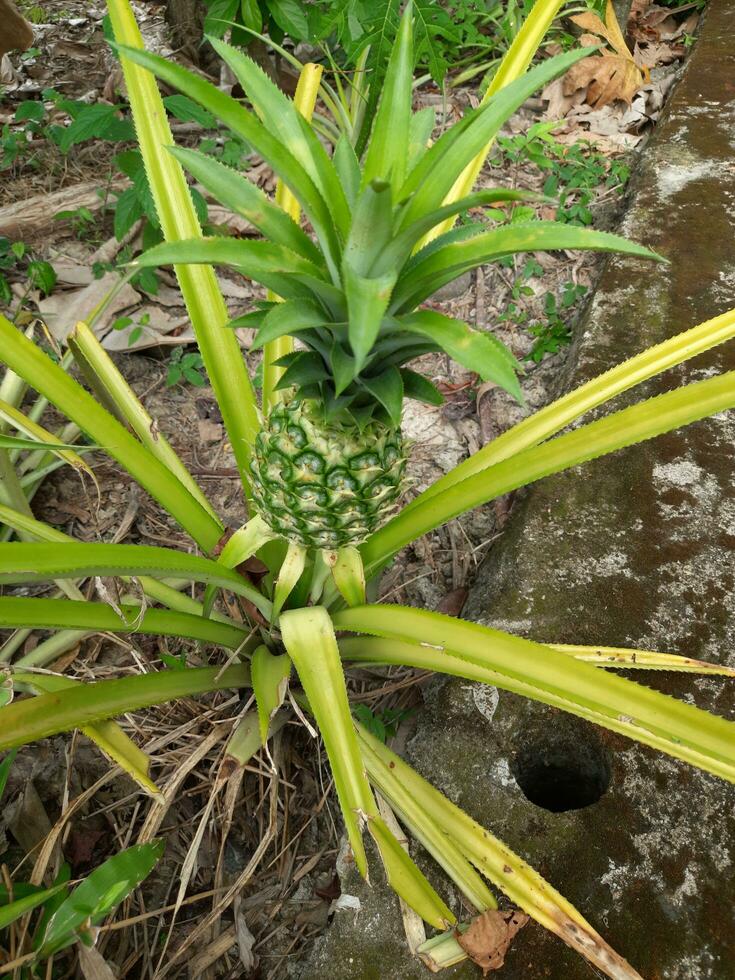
324	484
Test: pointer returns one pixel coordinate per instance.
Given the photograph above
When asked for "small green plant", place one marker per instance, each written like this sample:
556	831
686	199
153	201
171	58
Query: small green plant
382	724
123	322
64	914
575	173
18	261
185	366
43	125
81	221
554	332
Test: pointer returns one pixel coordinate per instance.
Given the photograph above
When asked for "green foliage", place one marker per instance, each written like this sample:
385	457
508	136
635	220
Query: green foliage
18	261
374	282
81	221
576	175
185	367
383	724
122	322
574	172
554	332
67	917
44	125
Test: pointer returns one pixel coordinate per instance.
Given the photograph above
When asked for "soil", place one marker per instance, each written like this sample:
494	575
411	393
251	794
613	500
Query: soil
288	898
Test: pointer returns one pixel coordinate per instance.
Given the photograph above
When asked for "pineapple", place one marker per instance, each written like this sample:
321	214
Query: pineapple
321	482
328	466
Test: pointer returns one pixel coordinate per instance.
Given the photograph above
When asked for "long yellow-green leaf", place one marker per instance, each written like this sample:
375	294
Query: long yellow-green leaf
245	198
219	348
617	431
269	674
309	640
406	879
285	122
431	178
348	574
38	434
245	542
245	741
524	886
320	573
19	612
444	263
389	780
91	354
556	416
436	642
154	589
48	714
98	895
24	442
41	561
625	658
515	62
288	575
72	400
305	97
266	263
107	735
14	910
630	659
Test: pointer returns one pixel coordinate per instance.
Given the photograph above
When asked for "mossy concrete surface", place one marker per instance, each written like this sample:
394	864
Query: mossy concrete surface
635	550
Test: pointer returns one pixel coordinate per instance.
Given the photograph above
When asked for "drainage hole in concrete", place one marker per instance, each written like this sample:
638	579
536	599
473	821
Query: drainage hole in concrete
561	775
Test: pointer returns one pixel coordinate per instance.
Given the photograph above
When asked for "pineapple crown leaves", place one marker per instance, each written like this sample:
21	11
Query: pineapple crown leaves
352	292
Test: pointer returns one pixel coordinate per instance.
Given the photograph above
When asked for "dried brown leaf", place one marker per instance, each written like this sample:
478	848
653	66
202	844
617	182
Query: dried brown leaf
489	937
606	77
609	76
93	965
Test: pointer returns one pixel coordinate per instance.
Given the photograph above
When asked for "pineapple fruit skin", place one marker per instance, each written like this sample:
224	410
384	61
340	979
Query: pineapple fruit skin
325	484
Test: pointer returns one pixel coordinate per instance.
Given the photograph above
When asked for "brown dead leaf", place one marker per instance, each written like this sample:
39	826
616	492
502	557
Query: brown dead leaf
27	819
209	431
453	602
93	964
63	310
654	53
609	76
489	937
606	77
151	326
650	22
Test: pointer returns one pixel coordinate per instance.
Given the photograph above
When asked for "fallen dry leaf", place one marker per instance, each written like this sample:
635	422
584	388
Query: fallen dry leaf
151	327
453	602
245	943
649	22
489	937
609	76
64	309
93	964
209	431
653	53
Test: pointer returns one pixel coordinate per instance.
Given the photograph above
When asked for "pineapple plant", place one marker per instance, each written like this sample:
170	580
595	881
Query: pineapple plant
328	464
322	465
